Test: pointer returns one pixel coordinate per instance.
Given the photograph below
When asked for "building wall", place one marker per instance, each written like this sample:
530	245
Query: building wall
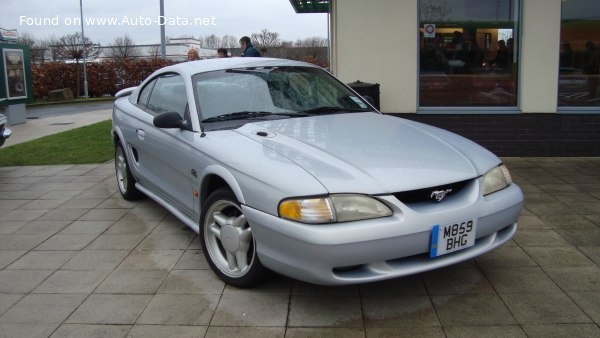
379	44
377	41
540	48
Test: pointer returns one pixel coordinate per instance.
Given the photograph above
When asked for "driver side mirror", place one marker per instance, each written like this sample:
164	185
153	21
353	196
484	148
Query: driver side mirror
170	120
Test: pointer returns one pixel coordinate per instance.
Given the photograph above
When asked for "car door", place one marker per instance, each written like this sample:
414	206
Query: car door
163	154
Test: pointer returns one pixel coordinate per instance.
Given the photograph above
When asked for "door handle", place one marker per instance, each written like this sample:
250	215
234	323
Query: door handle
141	134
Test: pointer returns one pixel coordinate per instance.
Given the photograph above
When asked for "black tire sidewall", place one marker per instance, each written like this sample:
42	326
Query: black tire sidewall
257	272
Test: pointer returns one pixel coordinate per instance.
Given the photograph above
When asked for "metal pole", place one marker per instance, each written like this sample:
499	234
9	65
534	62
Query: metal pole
85	82
163	48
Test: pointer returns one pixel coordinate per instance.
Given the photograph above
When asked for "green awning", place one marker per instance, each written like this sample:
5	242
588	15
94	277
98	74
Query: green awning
310	6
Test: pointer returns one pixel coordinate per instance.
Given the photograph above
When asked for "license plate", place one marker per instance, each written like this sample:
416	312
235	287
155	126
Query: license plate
452	237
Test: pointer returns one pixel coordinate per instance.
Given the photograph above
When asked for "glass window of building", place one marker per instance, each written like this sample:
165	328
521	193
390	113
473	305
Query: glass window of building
579	60
468	53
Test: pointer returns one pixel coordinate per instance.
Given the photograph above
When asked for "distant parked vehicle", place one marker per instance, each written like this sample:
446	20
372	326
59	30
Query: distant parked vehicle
4	132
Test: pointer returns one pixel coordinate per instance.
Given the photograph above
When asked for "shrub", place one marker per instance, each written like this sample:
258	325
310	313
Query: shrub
104	78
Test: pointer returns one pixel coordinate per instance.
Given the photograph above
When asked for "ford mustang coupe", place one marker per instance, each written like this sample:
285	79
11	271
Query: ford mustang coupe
279	166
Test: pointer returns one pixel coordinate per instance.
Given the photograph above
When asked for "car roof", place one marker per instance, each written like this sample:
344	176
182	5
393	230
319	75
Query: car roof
194	67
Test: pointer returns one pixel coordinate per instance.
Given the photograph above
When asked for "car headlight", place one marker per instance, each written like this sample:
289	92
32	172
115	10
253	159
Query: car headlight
333	208
496	179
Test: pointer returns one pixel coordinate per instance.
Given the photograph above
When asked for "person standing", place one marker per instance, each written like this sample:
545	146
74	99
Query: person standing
248	49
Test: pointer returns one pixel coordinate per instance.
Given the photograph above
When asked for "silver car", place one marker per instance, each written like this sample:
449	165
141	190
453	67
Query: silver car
278	166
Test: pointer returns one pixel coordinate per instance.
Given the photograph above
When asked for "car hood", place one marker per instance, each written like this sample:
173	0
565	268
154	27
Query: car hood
372	153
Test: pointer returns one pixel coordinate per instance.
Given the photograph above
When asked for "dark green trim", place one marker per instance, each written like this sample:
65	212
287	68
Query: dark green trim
310	6
28	77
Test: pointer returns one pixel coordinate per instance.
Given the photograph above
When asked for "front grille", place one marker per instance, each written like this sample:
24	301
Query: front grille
424	195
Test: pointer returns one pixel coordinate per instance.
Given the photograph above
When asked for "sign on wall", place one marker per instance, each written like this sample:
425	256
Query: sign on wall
14	74
429	30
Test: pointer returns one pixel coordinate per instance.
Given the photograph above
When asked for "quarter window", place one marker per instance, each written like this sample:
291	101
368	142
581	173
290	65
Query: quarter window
169	95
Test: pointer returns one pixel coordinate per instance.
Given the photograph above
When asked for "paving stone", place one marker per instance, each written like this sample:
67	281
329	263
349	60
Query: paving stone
589	302
86	228
151	260
110	309
67	242
181	331
96	260
277	285
540	238
408	311
33	309
45	227
103	215
506	331
306	289
171	309
44	260
515	280
8	300
324	311
9	227
63	214
132	282
21	281
251	310
531	222
7	257
558	256
562	330
192	282
72	281
405	332
116	242
91	331
27	330
505	256
192	260
581	237
576	278
127	226
450	281
405	286
22	215
568	222
544	308
592	252
470	310
166	242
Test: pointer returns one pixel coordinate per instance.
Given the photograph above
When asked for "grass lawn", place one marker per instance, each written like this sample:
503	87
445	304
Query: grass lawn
89	144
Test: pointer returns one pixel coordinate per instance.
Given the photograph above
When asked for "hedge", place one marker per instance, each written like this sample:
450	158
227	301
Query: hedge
104	78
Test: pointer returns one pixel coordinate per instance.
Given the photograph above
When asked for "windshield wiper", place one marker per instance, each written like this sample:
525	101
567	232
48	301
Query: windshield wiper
333	110
237	116
249	115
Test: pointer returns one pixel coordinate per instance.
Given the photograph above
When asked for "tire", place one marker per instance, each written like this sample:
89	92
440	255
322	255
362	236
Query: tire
125	179
227	241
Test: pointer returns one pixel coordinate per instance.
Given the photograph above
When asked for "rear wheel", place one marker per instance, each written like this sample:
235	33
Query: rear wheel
227	241
125	179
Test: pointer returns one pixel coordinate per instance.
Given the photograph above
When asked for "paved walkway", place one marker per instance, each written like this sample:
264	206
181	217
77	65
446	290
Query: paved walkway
77	260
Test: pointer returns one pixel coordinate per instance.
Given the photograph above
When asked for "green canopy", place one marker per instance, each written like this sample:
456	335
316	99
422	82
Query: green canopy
310	6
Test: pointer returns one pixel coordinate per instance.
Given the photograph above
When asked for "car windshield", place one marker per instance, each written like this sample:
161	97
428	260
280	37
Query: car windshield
271	92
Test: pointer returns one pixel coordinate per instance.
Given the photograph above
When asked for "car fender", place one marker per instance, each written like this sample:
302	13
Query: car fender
224	174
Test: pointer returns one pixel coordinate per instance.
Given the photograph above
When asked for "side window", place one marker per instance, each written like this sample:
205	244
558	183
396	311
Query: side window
145	94
168	95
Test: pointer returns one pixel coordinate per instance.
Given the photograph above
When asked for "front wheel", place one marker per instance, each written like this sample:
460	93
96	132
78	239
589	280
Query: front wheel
227	241
125	179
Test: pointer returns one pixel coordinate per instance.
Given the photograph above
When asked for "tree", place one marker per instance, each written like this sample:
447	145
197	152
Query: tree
69	47
435	12
154	51
265	40
211	42
123	48
229	41
36	48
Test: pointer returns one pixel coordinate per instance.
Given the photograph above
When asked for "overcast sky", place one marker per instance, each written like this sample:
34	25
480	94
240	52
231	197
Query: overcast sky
140	18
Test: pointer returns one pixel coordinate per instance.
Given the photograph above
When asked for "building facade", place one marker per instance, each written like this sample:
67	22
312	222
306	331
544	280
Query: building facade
520	77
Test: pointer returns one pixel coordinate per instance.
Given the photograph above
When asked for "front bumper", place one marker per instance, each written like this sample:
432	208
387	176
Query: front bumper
384	248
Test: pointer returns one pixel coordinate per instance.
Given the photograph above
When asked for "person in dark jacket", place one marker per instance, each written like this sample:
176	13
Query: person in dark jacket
248	48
